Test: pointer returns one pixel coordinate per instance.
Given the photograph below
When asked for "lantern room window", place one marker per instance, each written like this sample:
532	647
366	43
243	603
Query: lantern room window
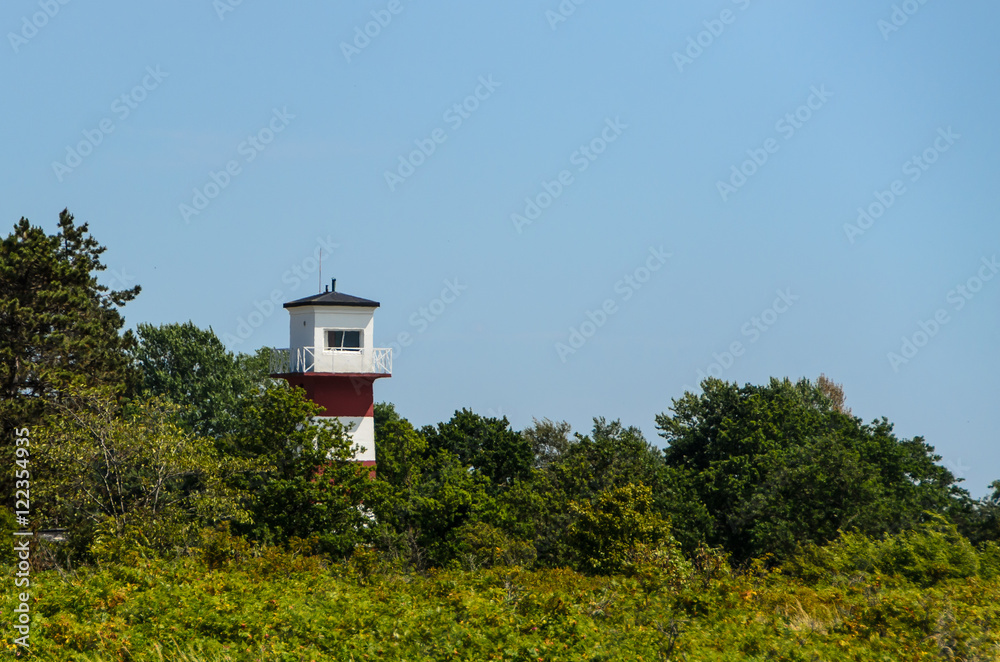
345	339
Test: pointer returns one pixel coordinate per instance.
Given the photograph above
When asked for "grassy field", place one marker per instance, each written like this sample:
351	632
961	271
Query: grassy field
275	606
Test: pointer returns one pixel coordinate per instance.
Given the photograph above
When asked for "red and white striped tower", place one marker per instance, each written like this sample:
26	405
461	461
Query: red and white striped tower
331	356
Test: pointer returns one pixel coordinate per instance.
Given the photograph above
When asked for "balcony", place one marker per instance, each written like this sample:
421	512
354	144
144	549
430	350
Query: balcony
370	361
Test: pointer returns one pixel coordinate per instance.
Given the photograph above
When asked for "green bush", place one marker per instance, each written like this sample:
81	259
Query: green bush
609	530
219	548
126	544
279	605
933	552
484	546
989	561
7	527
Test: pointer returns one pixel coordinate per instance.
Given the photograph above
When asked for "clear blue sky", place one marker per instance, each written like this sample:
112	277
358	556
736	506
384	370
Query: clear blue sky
310	127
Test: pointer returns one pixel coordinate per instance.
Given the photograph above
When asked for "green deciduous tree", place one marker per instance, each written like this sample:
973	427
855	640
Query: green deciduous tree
780	464
132	470
610	528
611	456
425	494
308	484
989	514
191	367
488	445
979	519
548	440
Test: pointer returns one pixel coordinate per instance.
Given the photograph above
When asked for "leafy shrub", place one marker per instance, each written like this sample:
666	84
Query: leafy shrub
662	564
363	565
608	530
484	546
934	551
989	561
114	543
7	526
219	547
125	478
281	606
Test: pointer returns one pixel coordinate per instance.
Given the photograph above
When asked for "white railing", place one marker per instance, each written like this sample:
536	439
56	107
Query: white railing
381	360
279	363
374	360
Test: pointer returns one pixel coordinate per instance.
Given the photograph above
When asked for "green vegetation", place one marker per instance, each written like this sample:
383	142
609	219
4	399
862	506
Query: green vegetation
780	464
58	326
211	518
191	367
126	480
233	602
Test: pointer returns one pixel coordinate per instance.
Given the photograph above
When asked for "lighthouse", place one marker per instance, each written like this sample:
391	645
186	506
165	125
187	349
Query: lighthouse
331	355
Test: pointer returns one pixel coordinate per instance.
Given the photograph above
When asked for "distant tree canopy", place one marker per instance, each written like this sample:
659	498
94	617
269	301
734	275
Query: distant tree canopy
488	445
59	328
191	367
303	481
147	439
783	464
58	325
548	441
753	470
104	471
425	493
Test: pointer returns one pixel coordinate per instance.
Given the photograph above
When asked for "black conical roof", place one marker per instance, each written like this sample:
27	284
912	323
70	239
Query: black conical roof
332	299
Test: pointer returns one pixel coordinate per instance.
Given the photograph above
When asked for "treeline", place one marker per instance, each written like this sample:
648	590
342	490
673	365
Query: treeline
145	443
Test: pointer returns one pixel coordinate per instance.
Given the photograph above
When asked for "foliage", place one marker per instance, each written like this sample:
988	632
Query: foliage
424	494
989	561
549	441
612	456
933	552
610	529
256	603
485	546
420	520
58	326
220	549
191	367
978	520
777	465
131	476
488	445
834	392
401	448
7	527
306	482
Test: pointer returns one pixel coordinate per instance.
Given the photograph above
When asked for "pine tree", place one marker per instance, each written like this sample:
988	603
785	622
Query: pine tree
58	325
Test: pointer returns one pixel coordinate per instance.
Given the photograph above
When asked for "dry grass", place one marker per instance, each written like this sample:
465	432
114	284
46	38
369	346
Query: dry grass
821	620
